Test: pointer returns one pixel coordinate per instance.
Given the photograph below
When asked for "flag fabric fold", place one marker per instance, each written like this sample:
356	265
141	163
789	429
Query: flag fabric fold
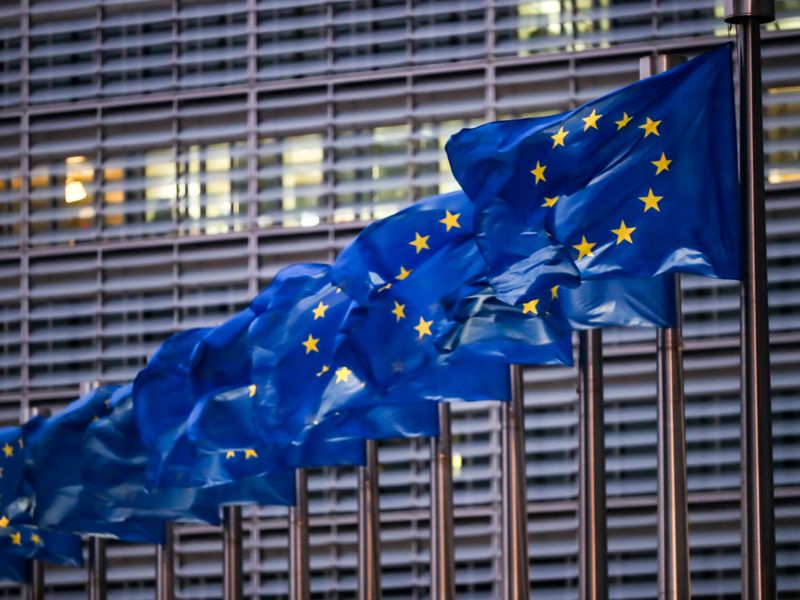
638	183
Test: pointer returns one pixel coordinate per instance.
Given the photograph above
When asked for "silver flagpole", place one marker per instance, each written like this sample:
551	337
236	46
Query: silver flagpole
299	579
232	553
592	542
673	524
96	569
758	518
442	557
165	565
369	552
516	583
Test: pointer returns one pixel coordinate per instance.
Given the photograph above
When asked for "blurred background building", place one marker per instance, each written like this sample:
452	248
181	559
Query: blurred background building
161	160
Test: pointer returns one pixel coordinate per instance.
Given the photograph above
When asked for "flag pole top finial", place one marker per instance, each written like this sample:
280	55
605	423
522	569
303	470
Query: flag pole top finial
738	10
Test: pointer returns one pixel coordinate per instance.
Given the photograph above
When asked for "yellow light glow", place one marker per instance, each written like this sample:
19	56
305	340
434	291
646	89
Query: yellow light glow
74	191
458	462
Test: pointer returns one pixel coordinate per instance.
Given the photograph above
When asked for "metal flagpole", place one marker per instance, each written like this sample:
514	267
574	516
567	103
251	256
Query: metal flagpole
758	518
516	583
442	557
299	580
232	552
592	543
165	565
673	524
96	568
35	589
369	552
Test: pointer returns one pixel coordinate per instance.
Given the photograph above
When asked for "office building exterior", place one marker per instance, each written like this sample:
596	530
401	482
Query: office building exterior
161	160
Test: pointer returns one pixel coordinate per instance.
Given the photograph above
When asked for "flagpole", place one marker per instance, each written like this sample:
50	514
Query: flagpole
758	518
516	582
592	542
96	569
299	580
674	580
369	553
35	589
442	558
165	565
232	552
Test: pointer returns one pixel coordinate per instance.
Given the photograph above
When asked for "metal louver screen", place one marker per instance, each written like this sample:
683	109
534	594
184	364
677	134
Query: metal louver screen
160	162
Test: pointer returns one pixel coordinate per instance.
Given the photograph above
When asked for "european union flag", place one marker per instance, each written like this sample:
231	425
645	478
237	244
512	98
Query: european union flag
637	183
19	535
421	282
28	541
116	483
298	379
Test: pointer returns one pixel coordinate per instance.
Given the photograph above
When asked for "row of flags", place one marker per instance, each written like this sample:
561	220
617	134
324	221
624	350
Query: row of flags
571	221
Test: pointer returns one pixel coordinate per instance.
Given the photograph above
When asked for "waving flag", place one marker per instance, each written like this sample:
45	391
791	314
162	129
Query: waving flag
637	183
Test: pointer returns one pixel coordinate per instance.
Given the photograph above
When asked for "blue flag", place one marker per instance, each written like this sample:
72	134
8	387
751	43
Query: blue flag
423	294
619	303
116	481
19	535
634	184
14	568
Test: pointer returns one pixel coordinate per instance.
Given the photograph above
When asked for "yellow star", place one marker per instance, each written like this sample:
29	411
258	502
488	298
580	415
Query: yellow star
591	120
35	538
3	522
623	121
550	202
538	172
650	126
388	286
252	390
451	220
323	370
623	233
311	344
662	164
8	451
404	273
584	248
420	242
558	138
531	306
343	374
424	327
651	200
250	453
399	310
230	454
16	539
319	312
554	292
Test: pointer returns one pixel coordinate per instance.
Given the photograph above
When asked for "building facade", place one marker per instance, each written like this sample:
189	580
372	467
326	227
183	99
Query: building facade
161	160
